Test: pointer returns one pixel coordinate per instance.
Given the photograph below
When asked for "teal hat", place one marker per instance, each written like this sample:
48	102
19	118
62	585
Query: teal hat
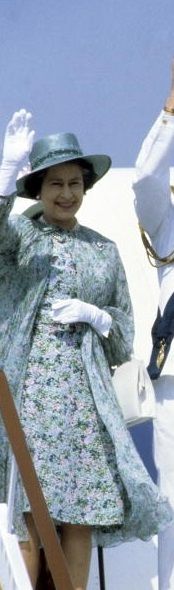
58	149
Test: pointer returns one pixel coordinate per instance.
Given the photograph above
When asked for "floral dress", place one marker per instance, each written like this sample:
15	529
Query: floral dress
72	451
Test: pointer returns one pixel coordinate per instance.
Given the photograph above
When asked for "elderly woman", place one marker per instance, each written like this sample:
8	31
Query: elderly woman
66	320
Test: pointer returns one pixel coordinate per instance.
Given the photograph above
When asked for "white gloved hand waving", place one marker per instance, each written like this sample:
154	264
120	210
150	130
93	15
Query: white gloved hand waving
18	143
70	311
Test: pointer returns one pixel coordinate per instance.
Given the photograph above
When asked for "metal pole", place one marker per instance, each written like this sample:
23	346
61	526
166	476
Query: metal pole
101	568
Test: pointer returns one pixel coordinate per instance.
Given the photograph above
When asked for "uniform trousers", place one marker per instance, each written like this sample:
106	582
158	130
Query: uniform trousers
164	460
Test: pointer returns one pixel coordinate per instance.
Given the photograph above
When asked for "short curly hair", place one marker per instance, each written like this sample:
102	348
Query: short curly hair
33	184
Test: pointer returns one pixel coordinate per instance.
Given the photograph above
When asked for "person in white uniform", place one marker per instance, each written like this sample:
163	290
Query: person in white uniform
154	204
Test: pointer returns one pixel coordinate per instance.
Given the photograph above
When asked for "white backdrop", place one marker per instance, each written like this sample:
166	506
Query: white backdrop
108	208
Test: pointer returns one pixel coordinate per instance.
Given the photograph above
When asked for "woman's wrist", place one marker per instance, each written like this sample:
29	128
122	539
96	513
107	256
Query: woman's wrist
7	180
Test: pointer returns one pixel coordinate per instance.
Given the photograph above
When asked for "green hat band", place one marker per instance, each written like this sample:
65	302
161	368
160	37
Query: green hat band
50	155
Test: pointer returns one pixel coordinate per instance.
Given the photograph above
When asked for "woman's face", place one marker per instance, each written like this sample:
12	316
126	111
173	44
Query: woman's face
62	194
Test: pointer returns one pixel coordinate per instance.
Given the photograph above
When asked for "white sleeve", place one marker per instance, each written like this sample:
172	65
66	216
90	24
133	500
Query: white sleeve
152	186
157	149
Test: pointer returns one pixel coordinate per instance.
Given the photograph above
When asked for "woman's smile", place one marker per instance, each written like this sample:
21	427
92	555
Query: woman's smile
62	194
65	204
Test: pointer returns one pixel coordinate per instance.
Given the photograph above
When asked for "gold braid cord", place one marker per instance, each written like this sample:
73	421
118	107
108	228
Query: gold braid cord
153	257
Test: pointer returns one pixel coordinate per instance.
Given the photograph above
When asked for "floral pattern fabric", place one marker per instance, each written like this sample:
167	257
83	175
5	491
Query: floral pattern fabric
72	450
27	255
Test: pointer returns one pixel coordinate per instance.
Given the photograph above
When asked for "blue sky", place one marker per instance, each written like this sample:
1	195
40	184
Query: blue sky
98	68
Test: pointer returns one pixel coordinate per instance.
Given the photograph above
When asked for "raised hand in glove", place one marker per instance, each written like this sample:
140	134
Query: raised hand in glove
70	311
18	143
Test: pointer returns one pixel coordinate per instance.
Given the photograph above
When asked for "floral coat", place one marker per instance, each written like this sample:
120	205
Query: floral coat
25	255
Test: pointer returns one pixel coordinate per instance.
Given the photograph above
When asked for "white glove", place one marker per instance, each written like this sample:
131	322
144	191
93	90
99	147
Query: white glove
17	146
70	311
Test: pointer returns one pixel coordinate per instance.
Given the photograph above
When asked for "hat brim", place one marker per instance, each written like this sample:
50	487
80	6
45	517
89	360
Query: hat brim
101	164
